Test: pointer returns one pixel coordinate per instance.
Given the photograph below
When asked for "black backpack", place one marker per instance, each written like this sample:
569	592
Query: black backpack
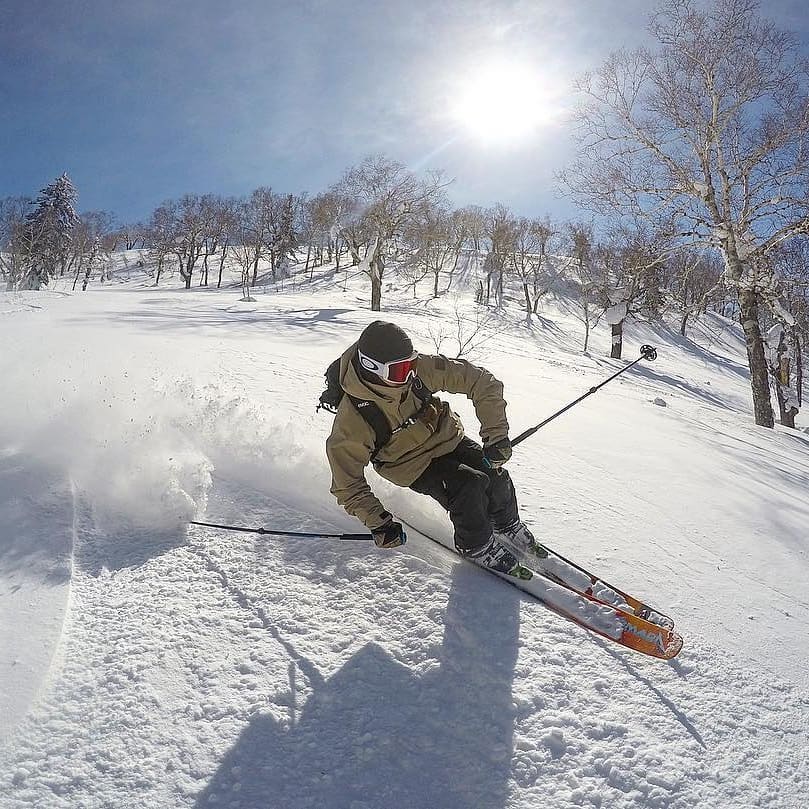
333	394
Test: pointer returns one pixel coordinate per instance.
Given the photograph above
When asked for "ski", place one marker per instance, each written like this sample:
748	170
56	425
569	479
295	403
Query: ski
600	617
588	611
556	567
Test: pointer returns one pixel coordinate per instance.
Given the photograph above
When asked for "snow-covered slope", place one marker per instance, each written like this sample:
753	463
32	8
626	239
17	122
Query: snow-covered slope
149	664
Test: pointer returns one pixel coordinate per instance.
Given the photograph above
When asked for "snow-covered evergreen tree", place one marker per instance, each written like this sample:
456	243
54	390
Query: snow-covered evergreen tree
49	229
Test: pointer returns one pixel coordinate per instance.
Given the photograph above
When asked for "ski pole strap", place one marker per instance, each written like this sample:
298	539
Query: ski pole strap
646	353
272	532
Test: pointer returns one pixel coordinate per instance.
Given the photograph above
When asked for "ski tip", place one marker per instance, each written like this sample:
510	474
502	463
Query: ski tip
649	639
673	647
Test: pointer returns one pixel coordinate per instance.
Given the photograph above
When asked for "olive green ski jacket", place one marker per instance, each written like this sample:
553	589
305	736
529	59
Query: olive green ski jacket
436	431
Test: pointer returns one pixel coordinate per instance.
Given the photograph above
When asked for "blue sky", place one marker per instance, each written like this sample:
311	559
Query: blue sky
143	101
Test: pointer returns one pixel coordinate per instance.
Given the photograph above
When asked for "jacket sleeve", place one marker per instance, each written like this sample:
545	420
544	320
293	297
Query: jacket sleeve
349	449
482	387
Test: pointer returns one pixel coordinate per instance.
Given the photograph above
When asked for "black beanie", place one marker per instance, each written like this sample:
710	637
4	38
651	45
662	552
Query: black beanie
385	342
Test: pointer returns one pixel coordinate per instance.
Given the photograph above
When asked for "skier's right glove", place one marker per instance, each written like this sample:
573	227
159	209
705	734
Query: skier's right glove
389	535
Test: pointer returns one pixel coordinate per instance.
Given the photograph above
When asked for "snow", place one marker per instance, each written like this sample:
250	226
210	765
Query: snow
151	664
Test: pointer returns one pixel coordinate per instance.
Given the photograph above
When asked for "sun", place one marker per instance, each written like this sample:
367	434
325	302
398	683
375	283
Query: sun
504	101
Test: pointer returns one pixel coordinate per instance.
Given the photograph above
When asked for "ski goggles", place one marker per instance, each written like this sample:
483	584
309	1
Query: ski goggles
396	372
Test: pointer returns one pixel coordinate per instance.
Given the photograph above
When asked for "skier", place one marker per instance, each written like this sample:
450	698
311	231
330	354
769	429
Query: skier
423	445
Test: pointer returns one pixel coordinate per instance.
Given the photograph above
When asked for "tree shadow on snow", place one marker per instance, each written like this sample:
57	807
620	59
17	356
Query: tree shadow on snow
377	735
233	318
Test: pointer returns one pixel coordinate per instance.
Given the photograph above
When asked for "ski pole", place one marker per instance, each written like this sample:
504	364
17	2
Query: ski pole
302	534
646	353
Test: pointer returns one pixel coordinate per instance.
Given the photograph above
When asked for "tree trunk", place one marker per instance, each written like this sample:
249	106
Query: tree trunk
377	270
527	294
222	265
787	416
189	271
586	327
783	372
376	293
684	322
759	378
435	284
617	340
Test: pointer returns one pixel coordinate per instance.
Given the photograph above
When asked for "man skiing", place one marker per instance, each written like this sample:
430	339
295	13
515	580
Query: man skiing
423	445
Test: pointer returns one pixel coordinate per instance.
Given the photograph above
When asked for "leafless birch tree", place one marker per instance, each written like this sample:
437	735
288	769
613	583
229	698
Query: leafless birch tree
382	196
707	130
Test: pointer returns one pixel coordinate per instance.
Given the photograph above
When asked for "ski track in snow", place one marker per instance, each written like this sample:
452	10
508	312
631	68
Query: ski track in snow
37	533
202	668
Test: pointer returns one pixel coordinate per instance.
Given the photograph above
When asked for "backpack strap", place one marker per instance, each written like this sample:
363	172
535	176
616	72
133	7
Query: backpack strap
421	390
377	421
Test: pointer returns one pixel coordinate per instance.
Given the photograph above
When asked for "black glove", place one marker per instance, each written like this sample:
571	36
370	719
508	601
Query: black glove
497	453
389	535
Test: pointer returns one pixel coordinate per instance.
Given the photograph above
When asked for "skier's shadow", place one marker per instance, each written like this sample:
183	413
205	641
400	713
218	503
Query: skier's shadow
376	736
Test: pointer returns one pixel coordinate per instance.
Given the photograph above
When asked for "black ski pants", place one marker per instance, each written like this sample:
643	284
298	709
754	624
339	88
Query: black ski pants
476	497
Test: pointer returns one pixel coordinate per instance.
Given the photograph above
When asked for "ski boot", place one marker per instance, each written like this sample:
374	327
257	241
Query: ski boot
500	559
519	540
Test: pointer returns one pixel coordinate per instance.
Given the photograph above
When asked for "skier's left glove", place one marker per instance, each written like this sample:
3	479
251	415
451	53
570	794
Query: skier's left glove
497	453
389	535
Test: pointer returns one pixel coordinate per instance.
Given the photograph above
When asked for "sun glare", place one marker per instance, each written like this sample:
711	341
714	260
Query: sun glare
504	101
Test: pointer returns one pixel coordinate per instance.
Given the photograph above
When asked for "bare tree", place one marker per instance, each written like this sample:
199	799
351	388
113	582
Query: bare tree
224	225
792	267
631	262
695	276
382	196
708	130
13	250
188	221
248	242
583	251
499	232
474	225
268	224
467	334
131	236
284	236
160	236
329	211
91	246
434	240
529	259
788	333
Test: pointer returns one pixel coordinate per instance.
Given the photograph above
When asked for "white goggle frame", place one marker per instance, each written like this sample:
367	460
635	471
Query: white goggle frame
382	369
